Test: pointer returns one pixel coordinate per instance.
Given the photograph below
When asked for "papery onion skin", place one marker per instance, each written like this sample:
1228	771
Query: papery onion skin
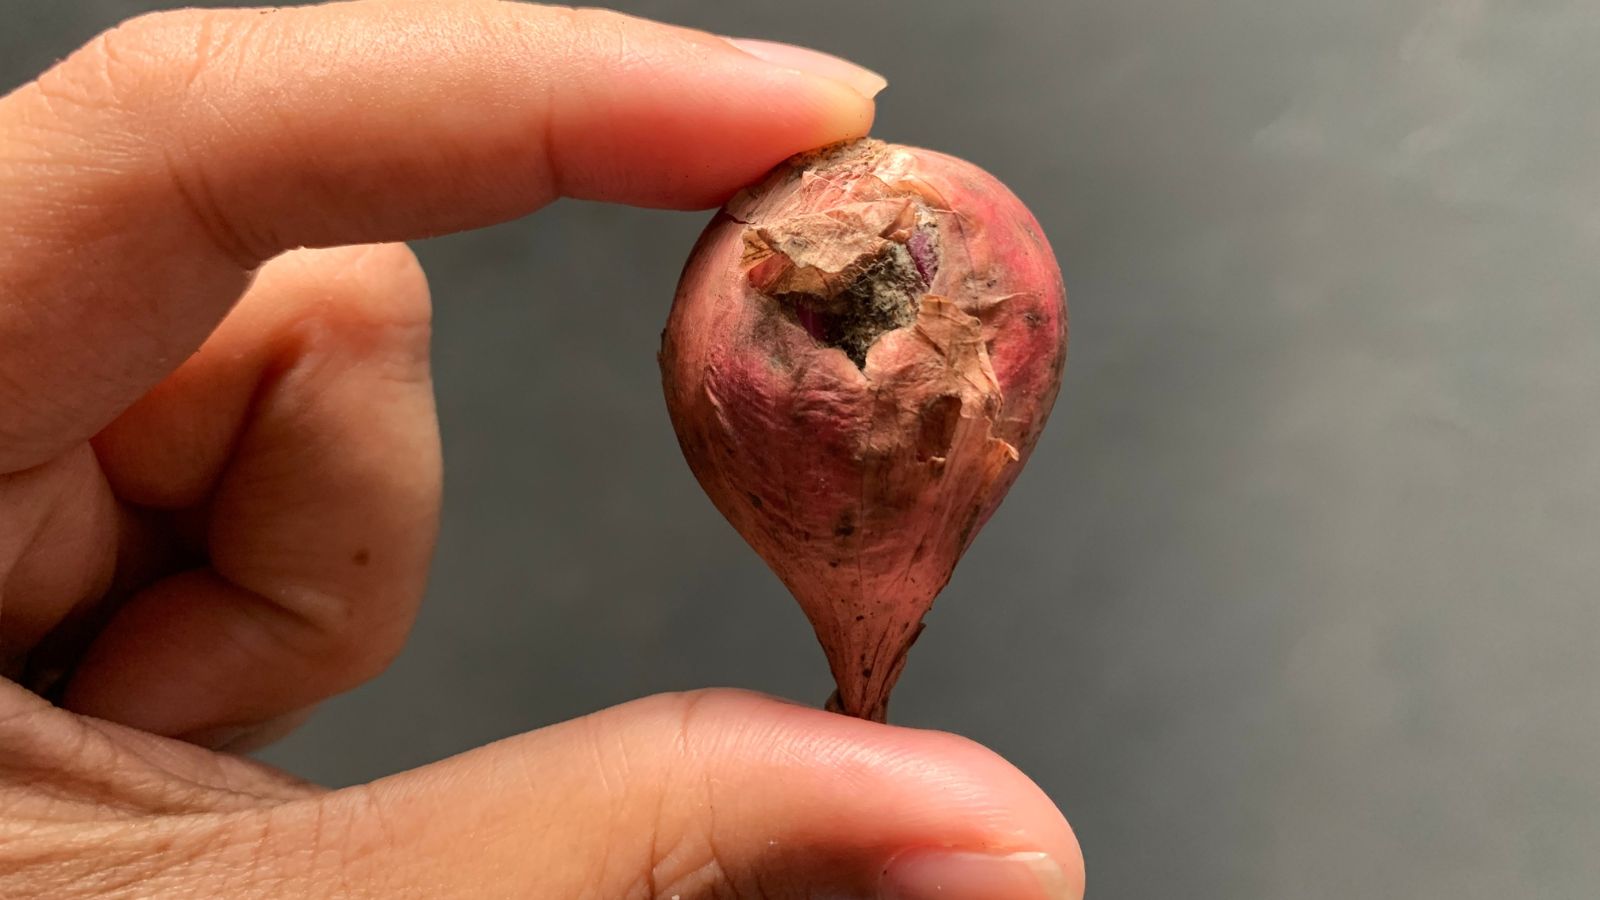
861	355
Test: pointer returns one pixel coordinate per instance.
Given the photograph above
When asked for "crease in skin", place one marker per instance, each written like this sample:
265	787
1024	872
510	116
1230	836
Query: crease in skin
89	767
862	352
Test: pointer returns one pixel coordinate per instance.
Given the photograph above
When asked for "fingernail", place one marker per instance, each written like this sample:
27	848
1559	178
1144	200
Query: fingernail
956	875
864	81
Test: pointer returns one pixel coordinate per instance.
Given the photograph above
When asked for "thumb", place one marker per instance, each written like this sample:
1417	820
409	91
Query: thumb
708	795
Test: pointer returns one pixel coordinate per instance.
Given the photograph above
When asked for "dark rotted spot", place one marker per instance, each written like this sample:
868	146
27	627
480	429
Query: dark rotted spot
1032	318
877	295
361	557
866	672
846	526
860	618
833	564
754	500
937	426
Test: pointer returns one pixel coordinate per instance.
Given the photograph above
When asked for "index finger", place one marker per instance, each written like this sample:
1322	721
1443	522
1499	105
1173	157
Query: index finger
146	176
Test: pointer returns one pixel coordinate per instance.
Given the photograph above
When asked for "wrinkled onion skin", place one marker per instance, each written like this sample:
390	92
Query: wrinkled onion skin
861	486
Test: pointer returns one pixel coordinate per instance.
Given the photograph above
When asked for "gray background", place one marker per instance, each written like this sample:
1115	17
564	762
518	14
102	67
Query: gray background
1297	598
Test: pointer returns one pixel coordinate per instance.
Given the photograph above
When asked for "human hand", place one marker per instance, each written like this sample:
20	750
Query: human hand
223	475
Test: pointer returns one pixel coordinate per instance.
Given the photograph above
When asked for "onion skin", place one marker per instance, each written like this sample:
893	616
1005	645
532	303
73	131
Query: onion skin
862	352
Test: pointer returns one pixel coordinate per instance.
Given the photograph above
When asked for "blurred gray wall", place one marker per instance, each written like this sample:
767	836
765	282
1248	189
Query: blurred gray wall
1299	595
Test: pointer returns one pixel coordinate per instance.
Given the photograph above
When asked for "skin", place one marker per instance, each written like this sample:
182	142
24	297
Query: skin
221	474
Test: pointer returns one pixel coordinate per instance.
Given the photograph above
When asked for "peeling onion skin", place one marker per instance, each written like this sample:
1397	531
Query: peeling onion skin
861	355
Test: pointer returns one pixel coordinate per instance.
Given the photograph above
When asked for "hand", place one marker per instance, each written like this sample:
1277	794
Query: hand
224	475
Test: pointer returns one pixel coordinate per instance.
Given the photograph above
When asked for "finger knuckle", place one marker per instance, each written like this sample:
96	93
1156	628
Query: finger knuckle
393	273
352	833
687	853
50	859
367	304
348	641
362	287
622	40
146	63
68	793
141	85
